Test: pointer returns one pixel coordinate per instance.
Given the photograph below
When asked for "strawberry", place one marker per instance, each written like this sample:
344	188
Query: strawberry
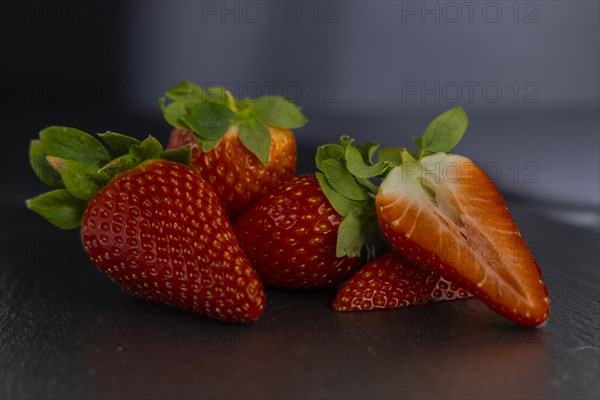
312	231
236	174
391	281
244	148
443	212
290	236
148	221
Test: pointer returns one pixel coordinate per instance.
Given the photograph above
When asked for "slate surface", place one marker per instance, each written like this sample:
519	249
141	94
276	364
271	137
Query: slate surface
66	331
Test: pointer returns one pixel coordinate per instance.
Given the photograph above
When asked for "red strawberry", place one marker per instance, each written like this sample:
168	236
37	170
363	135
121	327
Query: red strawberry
391	281
455	222
238	176
290	237
154	226
244	148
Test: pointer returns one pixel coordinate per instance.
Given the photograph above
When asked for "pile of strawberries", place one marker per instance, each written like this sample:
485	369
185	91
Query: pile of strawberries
204	224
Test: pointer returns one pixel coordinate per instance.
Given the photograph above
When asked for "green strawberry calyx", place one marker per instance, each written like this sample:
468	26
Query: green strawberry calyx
209	114
78	165
350	179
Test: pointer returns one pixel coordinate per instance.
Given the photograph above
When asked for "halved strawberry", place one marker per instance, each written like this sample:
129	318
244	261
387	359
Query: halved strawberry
391	281
151	224
244	148
444	213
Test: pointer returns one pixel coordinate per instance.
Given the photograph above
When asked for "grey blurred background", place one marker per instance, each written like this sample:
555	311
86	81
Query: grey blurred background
526	72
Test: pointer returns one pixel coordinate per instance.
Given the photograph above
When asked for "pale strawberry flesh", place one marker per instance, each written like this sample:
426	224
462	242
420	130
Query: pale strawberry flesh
446	214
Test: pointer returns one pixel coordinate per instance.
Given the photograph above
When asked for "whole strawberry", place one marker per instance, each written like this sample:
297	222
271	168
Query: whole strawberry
290	236
242	148
148	221
238	176
391	281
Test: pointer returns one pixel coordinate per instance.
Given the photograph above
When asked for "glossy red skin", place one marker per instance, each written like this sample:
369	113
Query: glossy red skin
160	231
391	281
290	237
237	175
488	257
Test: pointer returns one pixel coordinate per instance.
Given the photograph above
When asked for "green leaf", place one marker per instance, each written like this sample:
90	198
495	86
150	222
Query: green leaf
81	180
391	154
174	113
342	180
119	164
37	159
445	131
182	155
73	144
255	136
359	168
206	145
149	149
220	95
368	185
346	141
328	151
209	121
119	143
418	141
59	207
186	92
242	105
350	240
277	111
347	182
217	93
341	204
330	159
367	150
